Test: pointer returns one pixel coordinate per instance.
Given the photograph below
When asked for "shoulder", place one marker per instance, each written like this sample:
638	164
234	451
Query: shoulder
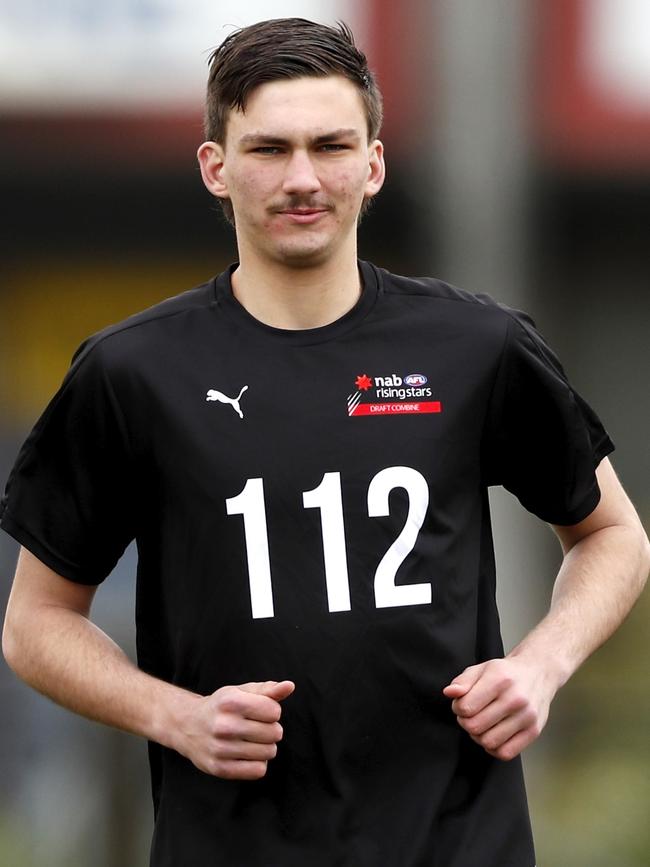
474	310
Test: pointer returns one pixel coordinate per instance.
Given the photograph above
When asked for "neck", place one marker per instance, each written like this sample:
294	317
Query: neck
293	298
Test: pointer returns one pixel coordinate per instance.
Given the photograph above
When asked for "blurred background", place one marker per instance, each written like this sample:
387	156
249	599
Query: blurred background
518	148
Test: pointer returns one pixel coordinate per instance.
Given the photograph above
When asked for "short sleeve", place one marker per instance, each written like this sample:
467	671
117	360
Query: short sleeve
543	442
70	497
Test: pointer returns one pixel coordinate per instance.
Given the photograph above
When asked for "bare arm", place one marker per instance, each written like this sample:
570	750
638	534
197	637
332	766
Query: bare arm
504	704
49	641
605	568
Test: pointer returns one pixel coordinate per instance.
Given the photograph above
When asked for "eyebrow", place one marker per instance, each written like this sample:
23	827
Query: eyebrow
264	138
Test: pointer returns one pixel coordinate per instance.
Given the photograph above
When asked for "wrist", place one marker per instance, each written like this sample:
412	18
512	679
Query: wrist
170	710
553	664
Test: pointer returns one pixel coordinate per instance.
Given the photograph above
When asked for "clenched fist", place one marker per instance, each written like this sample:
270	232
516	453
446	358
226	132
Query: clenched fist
503	704
234	732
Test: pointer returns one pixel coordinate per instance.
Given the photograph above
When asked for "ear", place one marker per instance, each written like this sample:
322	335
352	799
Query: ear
211	161
376	169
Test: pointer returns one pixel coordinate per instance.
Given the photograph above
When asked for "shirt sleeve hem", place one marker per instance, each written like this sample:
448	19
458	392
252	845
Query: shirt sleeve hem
62	567
591	500
586	507
605	447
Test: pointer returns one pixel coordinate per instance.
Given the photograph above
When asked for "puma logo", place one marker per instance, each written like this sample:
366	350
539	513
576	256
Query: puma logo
223	398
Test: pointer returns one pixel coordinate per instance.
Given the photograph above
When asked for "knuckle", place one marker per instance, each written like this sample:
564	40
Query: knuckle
230	702
472	726
224	749
215	767
506	754
490	743
529	717
226	726
518	701
257	770
494	666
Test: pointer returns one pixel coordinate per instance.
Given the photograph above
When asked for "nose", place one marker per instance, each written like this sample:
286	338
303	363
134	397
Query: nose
300	175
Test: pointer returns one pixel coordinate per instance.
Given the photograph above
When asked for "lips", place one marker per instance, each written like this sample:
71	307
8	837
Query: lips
303	215
303	210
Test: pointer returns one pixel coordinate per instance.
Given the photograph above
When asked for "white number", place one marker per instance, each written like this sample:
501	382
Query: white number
327	497
387	593
250	504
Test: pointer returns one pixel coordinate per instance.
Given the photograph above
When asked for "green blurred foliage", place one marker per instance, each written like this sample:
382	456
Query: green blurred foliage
589	778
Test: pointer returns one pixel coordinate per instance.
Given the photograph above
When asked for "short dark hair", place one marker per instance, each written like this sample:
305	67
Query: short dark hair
283	48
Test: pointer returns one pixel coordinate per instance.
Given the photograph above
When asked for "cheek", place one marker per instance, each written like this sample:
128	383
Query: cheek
349	186
252	187
352	179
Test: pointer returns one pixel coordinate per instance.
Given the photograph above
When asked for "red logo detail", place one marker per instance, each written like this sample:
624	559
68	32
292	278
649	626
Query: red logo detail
363	382
396	408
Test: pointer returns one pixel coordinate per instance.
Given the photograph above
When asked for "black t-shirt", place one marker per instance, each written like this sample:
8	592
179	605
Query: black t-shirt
312	505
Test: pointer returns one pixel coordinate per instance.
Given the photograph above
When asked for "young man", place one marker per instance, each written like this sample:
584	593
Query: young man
302	448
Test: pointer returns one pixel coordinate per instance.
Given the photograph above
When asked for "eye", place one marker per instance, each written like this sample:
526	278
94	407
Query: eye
268	150
334	147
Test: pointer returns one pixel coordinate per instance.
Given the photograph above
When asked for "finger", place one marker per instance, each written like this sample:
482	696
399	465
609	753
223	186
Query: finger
485	720
246	751
277	690
515	745
238	702
464	681
506	705
455	690
281	690
260	733
487	688
499	734
237	769
234	727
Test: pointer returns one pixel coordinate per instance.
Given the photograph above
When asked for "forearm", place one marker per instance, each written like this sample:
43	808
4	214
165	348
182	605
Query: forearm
232	734
503	704
66	657
49	641
600	579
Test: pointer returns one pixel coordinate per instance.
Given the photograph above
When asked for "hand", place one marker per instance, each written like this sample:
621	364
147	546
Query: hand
502	704
234	732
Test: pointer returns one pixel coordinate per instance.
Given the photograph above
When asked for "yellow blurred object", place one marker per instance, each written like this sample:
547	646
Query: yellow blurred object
50	308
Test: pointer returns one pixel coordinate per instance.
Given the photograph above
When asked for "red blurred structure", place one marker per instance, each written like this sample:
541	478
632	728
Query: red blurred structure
578	120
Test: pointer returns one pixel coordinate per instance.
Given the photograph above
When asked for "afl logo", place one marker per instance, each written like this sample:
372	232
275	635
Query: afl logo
415	379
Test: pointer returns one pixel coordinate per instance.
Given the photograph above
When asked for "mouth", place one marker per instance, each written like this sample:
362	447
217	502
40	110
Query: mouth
303	215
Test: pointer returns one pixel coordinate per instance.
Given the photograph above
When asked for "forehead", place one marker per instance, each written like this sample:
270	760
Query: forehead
299	107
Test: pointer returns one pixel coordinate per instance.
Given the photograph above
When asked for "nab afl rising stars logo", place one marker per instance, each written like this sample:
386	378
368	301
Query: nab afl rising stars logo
372	391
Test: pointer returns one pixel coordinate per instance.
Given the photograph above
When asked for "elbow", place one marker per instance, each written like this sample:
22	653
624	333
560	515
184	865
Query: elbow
636	553
639	549
645	558
13	647
9	642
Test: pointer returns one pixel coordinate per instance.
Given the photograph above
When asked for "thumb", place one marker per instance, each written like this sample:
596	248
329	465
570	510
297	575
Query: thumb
455	690
277	690
463	682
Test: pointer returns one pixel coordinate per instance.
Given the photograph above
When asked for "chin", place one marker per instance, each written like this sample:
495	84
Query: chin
302	255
